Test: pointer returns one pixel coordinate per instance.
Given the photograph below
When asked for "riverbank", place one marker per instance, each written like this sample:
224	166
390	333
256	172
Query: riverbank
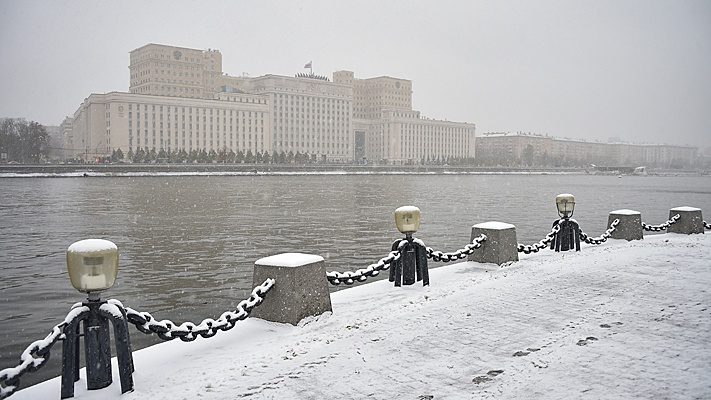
620	320
118	170
73	170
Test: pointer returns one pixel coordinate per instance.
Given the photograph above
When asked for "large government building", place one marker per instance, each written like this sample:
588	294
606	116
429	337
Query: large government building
179	99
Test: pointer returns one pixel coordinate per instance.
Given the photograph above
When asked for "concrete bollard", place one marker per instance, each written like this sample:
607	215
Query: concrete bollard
630	226
500	245
690	220
301	287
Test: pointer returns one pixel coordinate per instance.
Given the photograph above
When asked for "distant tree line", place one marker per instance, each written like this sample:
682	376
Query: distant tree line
22	141
446	160
151	156
224	156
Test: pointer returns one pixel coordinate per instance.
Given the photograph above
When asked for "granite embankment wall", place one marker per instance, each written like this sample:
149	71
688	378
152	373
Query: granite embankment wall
129	168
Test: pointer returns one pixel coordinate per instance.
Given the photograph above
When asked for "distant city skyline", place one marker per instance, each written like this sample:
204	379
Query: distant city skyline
633	70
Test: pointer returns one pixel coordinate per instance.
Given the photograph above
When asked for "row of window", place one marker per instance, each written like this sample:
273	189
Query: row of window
183	109
190	127
211	143
242	99
237	114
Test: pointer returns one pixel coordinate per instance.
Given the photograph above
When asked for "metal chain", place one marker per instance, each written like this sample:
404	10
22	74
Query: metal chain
360	275
188	331
460	254
602	238
540	245
37	354
661	227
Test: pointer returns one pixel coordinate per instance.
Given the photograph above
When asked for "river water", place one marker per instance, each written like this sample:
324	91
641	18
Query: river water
187	243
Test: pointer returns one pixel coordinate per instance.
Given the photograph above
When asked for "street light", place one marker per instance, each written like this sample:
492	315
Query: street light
566	204
407	219
93	266
412	264
567	236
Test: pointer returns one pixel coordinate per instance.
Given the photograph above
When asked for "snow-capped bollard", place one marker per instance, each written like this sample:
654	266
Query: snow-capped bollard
301	287
690	220
500	245
629	227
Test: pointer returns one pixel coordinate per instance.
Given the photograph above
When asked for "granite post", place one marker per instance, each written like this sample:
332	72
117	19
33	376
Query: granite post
300	290
630	226
500	245
690	220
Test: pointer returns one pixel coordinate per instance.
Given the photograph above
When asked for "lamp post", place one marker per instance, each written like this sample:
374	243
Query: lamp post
568	235
412	264
93	265
565	203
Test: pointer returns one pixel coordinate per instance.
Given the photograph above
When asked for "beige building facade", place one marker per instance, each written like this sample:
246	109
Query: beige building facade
179	99
387	129
128	121
162	70
308	114
404	137
374	95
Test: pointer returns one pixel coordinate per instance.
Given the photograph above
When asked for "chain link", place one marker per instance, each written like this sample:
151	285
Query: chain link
188	331
541	244
36	355
460	254
661	227
602	238
360	275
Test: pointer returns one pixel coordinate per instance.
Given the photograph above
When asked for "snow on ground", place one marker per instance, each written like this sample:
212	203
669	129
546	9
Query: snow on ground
619	321
625	211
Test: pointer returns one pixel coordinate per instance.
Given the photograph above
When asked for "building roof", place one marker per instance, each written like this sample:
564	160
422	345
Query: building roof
171	46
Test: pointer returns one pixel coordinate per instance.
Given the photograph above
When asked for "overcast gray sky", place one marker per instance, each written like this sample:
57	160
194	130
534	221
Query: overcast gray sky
637	70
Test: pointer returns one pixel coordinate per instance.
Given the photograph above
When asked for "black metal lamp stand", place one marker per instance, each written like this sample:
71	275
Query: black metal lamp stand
97	348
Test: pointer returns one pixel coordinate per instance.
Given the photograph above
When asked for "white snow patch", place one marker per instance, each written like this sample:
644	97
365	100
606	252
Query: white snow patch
495	225
289	260
91	245
686	209
407	209
112	309
625	211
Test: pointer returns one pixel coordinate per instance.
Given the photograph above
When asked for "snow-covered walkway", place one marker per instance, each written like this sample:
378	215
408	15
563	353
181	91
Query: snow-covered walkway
618	321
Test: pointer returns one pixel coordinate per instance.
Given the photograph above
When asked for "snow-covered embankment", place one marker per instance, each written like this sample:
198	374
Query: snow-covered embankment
620	320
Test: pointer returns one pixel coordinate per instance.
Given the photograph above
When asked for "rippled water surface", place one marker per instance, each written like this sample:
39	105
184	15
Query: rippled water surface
187	244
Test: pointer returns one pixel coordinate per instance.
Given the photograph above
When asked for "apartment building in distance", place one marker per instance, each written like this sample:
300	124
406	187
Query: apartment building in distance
180	99
539	150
